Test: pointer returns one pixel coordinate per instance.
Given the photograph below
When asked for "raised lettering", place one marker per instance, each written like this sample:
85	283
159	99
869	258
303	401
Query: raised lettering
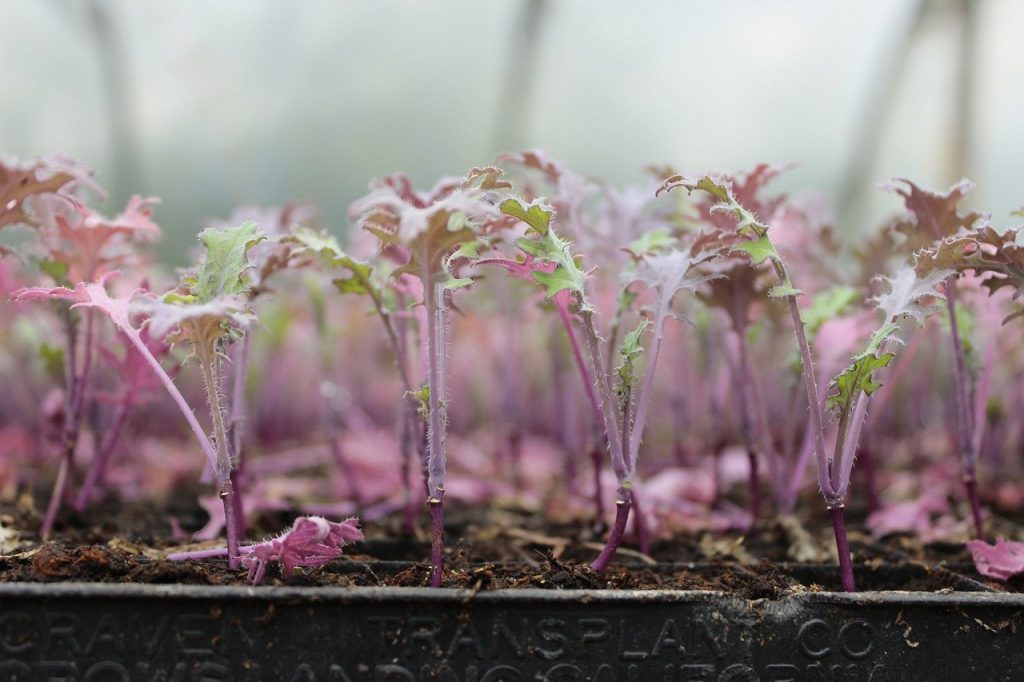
696	672
738	671
502	632
108	671
782	672
632	655
563	671
466	636
195	635
548	631
502	673
813	638
855	639
15	632
392	673
425	630
668	636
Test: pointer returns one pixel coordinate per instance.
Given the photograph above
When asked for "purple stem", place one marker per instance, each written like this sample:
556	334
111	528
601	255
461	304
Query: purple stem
436	539
971	486
643	535
964	417
842	548
742	382
753	489
608	405
59	486
238	505
597	460
72	422
810	385
98	468
437	377
223	484
581	364
595	406
615	537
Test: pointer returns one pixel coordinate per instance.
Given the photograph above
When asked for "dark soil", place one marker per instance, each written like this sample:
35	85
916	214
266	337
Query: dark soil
504	548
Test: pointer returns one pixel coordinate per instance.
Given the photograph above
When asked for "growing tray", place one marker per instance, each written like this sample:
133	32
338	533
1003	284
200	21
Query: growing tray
77	631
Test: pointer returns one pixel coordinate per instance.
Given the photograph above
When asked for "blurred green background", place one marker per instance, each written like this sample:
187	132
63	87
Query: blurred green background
214	104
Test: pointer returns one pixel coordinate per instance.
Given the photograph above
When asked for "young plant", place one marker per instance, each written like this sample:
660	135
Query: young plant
81	246
311	541
207	312
121	310
353	276
666	274
851	388
430	238
937	218
136	383
535	269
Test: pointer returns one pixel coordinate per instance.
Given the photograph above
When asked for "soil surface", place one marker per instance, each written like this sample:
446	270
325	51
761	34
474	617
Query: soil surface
496	548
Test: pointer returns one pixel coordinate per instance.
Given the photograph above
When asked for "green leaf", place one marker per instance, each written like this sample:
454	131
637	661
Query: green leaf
53	360
859	376
326	248
652	241
629	350
422	398
567	275
758	250
536	216
225	260
783	290
55	269
831	302
468	250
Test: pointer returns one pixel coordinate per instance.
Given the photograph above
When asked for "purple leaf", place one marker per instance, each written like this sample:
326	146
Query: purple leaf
1001	561
311	541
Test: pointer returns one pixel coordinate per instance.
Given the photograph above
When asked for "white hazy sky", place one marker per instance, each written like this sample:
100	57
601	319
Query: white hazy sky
261	101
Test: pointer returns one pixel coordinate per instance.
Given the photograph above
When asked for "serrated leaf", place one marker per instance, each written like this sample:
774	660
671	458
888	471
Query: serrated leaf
567	275
758	250
651	241
906	291
535	215
629	350
225	260
859	376
783	290
325	247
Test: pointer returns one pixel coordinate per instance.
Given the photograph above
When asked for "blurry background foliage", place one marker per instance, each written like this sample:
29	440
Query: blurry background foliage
214	104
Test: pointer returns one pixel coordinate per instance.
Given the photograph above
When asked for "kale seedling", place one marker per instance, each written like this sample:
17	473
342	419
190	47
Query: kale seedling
852	387
430	238
937	218
667	274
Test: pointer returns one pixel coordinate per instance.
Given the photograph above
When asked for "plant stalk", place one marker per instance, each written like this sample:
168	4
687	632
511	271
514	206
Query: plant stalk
437	328
98	468
210	366
842	548
964	417
615	537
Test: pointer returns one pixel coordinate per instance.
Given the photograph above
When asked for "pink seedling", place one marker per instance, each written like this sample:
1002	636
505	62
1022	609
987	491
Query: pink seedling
428	239
1001	561
311	541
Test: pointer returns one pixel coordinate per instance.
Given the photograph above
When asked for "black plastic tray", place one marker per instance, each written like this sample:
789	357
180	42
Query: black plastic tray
72	631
